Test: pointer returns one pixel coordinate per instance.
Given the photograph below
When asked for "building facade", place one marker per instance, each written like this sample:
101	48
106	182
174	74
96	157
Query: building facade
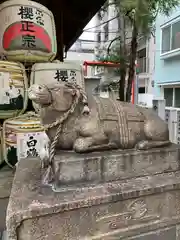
167	60
105	33
146	66
82	50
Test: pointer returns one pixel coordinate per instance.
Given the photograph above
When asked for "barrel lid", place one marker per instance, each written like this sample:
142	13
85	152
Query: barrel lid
57	66
11	66
22	121
9	62
25	3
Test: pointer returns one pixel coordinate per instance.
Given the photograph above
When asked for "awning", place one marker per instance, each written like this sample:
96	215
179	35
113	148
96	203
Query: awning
167	83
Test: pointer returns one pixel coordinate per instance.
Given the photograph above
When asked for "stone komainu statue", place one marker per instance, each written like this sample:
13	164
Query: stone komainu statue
110	124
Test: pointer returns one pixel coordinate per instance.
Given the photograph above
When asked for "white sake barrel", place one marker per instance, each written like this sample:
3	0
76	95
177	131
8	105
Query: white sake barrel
13	89
45	73
28	124
28	31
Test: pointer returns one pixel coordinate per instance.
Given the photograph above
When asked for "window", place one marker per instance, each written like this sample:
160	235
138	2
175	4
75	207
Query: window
170	37
106	32
168	96
99	37
166	35
177	98
172	97
142	60
176	35
142	90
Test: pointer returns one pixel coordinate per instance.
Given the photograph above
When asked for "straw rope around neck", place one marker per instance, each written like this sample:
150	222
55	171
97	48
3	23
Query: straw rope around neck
49	175
78	94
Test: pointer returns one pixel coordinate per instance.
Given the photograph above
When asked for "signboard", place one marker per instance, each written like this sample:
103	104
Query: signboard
29	144
99	70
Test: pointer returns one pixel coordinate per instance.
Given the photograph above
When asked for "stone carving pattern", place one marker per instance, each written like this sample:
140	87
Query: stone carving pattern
137	211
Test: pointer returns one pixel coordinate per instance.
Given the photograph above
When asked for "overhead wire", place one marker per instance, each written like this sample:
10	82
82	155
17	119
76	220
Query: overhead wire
95	41
98	31
101	23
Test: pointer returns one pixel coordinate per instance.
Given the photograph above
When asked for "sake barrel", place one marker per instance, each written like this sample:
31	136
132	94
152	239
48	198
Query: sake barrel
22	131
27	31
45	73
13	89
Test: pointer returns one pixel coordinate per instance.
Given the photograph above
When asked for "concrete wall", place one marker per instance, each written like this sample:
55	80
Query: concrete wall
151	63
80	56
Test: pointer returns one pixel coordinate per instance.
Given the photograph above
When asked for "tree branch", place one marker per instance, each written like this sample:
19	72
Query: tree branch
108	49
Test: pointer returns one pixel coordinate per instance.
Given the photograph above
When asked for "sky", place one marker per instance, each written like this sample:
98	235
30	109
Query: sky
89	35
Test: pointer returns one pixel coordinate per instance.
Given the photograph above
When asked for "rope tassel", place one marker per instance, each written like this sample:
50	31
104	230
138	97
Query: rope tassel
48	176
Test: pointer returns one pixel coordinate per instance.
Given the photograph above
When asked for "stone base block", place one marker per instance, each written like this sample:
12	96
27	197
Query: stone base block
6	178
114	165
142	208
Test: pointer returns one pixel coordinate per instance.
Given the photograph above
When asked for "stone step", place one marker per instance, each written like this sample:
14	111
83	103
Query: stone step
6	179
73	168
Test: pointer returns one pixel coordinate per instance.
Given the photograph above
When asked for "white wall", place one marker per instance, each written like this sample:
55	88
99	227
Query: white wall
83	44
113	25
80	56
151	52
86	42
89	34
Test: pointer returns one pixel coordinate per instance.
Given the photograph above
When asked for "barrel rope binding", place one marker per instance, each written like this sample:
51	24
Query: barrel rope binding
25	116
25	87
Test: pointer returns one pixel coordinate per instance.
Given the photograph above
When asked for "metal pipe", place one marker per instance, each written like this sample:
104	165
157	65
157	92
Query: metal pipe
136	89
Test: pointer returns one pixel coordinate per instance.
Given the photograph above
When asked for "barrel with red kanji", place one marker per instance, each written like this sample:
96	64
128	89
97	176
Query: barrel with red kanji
28	32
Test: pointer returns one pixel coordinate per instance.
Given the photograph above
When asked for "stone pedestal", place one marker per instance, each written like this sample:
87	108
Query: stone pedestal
135	204
6	178
73	169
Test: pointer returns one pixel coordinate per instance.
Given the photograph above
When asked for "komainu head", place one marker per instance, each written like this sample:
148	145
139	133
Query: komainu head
59	96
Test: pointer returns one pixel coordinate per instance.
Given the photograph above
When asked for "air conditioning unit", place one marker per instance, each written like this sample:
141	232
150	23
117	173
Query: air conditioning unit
173	121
